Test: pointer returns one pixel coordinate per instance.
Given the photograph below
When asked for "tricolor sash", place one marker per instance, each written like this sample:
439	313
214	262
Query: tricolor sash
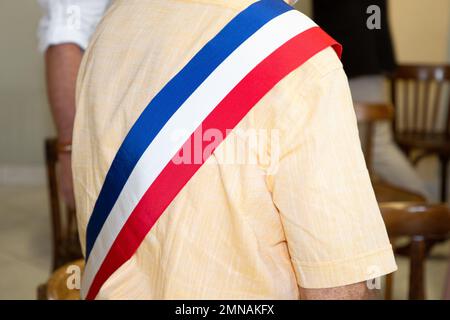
216	89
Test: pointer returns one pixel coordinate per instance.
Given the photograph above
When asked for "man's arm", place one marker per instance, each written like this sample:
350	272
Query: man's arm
62	64
333	227
358	291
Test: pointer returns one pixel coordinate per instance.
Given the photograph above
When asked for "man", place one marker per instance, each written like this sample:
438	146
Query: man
64	33
307	227
369	56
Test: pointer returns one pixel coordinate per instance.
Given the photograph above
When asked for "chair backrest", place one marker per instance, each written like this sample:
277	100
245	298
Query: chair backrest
65	244
368	114
419	221
420	97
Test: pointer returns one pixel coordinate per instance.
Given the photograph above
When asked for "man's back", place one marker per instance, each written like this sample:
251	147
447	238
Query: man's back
285	201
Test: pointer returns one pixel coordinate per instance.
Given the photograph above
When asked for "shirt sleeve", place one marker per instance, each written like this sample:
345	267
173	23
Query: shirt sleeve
69	21
333	226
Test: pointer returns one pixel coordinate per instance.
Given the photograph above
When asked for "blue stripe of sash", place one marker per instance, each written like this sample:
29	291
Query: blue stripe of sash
169	99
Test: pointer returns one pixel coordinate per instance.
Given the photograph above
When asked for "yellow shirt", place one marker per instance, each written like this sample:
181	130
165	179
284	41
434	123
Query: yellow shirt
303	213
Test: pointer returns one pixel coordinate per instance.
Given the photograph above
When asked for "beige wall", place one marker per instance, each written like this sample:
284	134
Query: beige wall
421	30
24	117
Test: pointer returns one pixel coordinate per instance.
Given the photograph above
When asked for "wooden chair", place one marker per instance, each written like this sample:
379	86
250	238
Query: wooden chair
419	94
66	246
369	114
420	222
57	287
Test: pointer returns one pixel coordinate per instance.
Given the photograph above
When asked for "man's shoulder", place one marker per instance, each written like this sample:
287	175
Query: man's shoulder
310	77
322	63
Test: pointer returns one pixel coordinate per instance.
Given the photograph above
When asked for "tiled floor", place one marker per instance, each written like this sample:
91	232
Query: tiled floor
25	245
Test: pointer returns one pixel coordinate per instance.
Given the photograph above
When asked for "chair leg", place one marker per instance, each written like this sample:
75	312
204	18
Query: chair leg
389	286
417	269
42	292
444	164
447	285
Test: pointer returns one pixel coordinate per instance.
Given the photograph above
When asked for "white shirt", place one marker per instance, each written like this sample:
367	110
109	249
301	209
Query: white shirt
69	21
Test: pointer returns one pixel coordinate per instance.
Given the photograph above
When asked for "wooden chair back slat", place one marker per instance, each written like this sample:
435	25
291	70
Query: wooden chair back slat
426	111
417	95
436	104
368	114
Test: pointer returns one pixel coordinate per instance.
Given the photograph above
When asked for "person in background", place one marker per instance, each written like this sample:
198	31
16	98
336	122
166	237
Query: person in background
64	33
368	56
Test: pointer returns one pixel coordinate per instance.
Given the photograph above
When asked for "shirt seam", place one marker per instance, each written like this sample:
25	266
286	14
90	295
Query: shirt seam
342	261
